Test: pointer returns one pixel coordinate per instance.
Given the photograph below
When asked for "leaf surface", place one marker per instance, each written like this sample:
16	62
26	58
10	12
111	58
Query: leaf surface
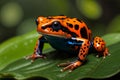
13	63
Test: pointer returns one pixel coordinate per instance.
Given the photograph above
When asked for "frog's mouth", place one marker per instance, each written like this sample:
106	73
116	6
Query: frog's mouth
55	35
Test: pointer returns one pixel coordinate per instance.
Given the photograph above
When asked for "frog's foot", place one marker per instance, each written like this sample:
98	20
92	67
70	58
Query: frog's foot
35	56
105	53
69	65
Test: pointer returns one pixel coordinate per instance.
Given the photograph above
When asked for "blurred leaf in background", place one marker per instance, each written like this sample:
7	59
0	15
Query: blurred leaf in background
114	25
11	14
17	16
90	8
26	26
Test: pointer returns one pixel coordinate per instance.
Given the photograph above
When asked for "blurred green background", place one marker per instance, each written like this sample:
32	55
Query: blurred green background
17	16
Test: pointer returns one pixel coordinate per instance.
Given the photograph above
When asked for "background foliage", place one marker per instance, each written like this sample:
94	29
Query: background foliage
17	16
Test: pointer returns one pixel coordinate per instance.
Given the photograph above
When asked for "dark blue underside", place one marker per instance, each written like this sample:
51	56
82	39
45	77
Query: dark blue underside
60	43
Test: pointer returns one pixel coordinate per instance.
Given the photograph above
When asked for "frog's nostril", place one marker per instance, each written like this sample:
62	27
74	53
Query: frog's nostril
36	22
43	27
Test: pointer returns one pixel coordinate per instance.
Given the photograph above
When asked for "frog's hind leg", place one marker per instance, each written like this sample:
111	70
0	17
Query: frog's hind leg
82	54
100	46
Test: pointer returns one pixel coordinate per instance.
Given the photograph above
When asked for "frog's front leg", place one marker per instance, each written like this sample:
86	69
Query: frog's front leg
38	49
81	56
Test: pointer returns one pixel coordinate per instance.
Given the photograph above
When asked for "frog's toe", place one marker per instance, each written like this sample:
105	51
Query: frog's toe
64	64
70	66
28	57
35	56
97	56
109	54
41	56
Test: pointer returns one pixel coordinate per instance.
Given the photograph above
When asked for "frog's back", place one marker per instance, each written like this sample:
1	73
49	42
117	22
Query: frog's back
77	28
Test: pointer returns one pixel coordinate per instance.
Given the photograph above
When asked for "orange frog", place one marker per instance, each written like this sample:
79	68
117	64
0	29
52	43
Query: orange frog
69	35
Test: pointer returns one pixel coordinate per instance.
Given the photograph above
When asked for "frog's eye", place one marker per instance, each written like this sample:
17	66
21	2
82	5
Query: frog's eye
36	22
56	25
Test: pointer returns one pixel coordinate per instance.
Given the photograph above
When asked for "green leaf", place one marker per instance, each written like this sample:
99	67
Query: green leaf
17	47
112	38
12	63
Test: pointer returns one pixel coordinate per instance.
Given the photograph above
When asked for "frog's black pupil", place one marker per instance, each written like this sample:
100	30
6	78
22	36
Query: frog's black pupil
56	26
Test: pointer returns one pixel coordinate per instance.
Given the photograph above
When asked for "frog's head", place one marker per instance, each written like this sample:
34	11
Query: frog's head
51	26
54	26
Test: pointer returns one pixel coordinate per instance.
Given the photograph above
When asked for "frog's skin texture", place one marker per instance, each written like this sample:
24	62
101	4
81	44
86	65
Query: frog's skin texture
70	35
